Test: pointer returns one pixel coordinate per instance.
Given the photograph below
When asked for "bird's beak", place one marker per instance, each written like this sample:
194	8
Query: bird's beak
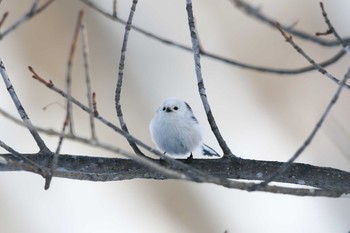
168	110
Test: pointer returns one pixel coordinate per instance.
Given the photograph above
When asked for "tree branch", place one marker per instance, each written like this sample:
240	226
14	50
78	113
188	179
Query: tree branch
200	82
327	110
255	13
33	11
214	56
21	111
334	181
118	89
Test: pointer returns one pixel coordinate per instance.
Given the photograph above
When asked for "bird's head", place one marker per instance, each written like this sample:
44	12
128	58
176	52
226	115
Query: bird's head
175	107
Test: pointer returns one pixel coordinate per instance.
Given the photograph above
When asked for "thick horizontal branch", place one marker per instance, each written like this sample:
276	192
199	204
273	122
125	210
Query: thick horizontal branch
112	169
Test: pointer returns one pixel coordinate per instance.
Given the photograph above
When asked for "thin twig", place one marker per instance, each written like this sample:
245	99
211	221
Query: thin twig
325	63
56	155
323	33
201	88
33	166
94	104
69	70
3	18
34	7
120	77
21	111
115	8
49	83
255	13
62	135
319	123
317	66
33	11
87	78
68	121
309	139
331	29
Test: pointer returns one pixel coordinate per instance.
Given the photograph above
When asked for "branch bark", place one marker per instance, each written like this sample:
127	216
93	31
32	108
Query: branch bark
112	169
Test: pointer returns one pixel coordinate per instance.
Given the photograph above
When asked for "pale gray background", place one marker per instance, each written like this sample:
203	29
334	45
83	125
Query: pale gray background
261	116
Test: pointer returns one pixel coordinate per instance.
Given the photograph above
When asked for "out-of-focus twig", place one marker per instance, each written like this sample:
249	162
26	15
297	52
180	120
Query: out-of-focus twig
319	123
203	52
331	29
88	78
33	11
317	66
69	70
114	8
3	18
256	13
94	104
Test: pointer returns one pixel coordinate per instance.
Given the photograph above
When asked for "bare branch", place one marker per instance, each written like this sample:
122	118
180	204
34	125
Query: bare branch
28	165
69	70
33	11
68	121
21	111
120	77
94	104
88	79
115	8
319	123
309	139
331	29
319	68
255	13
334	182
203	52
190	173
201	88
230	172
56	154
3	18
330	26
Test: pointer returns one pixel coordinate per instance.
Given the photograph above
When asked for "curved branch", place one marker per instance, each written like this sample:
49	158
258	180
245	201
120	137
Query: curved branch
229	61
33	11
118	90
200	81
255	13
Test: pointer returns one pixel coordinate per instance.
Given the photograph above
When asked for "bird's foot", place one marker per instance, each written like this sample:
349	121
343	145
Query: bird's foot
189	159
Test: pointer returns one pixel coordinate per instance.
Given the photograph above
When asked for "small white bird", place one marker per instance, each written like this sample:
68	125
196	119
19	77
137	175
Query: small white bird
176	131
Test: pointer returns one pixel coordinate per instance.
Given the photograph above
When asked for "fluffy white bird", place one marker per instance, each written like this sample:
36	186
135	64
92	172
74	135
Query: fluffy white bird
176	131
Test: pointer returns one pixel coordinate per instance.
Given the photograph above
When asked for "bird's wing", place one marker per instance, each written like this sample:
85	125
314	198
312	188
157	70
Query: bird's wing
208	151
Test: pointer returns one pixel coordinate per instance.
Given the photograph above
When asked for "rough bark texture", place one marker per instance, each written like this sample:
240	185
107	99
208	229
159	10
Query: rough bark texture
111	169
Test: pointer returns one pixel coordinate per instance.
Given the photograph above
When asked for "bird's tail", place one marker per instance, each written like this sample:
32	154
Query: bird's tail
208	151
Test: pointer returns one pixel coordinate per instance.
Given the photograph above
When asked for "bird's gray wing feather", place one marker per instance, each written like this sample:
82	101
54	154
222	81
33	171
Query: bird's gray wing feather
207	150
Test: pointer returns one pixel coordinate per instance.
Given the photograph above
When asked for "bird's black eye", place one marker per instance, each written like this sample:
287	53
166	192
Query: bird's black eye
176	108
164	108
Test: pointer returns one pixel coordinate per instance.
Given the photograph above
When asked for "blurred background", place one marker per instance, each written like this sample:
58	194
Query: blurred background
261	115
